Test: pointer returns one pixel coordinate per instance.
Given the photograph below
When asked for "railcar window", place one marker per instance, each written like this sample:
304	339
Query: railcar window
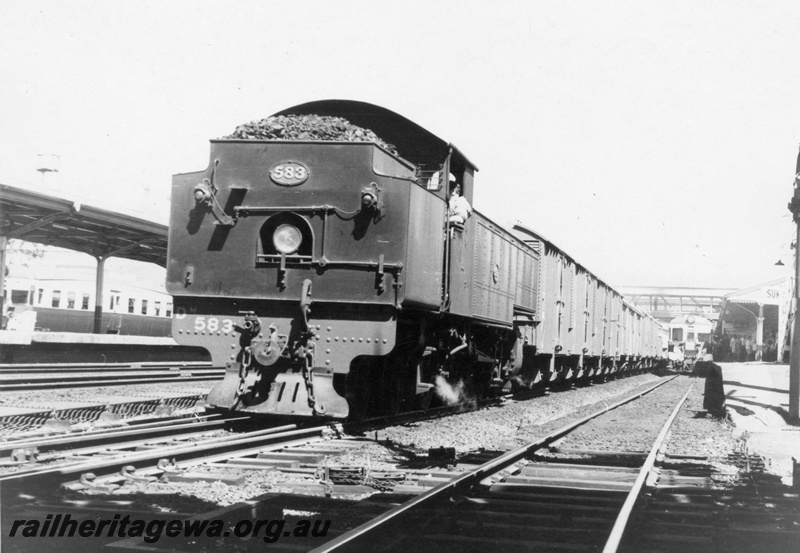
144	307
19	297
41	293
157	308
131	305
71	300
168	311
56	301
677	335
85	302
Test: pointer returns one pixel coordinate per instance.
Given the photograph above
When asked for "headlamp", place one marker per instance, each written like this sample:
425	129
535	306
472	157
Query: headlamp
287	239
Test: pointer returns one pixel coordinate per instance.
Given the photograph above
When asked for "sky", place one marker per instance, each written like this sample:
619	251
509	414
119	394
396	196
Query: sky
655	142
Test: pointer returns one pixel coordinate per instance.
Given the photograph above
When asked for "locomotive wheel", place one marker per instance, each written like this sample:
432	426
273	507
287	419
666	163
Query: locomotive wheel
425	367
395	388
358	393
425	400
393	393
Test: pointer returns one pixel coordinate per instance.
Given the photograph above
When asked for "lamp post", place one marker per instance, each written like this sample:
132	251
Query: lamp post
794	358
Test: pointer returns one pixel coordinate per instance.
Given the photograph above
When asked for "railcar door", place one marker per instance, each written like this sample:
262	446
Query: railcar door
114	318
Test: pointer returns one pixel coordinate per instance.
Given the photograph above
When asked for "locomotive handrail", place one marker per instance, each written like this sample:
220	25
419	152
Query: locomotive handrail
245	211
323	262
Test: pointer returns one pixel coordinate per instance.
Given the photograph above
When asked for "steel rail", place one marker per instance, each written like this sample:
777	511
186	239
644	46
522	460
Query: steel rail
32	425
256	440
614	539
470	477
115	433
113	441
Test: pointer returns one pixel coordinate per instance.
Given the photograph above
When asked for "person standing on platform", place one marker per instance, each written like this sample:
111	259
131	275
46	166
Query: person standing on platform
723	345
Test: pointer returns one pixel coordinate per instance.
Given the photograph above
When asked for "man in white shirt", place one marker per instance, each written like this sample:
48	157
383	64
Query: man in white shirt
459	207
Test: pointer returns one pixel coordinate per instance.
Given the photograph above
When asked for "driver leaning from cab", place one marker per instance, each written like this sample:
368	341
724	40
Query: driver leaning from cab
459	208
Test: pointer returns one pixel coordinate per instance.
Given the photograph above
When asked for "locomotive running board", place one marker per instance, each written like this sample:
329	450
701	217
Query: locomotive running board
288	396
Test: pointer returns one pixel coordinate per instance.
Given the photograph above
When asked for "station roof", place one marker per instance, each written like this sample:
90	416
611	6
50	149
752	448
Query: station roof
774	292
44	219
678	291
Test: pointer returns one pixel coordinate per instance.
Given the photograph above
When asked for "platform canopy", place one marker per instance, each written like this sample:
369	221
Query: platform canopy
761	311
43	219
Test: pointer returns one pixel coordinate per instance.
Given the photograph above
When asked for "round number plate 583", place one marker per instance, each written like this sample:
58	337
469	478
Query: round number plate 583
289	173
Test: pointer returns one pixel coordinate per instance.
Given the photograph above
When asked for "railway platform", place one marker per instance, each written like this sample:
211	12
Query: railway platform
21	337
757	398
76	347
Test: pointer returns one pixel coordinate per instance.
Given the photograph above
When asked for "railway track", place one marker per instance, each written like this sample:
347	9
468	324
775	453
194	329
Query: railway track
499	503
192	441
543	496
583	500
15	377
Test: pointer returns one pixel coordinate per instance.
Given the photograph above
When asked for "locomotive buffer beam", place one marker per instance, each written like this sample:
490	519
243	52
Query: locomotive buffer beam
289	395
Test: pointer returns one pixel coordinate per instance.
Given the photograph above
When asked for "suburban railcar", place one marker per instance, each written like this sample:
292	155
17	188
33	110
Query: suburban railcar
67	305
330	280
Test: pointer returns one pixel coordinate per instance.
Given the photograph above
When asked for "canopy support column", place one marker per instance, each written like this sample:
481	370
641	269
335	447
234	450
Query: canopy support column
760	332
98	295
3	247
794	357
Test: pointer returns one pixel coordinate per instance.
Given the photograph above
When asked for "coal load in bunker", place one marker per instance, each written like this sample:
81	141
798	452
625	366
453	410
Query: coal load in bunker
318	259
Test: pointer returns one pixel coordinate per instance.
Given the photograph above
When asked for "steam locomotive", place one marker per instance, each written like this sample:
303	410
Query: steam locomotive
329	279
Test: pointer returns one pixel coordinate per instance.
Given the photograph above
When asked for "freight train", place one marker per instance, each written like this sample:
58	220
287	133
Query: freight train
325	271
